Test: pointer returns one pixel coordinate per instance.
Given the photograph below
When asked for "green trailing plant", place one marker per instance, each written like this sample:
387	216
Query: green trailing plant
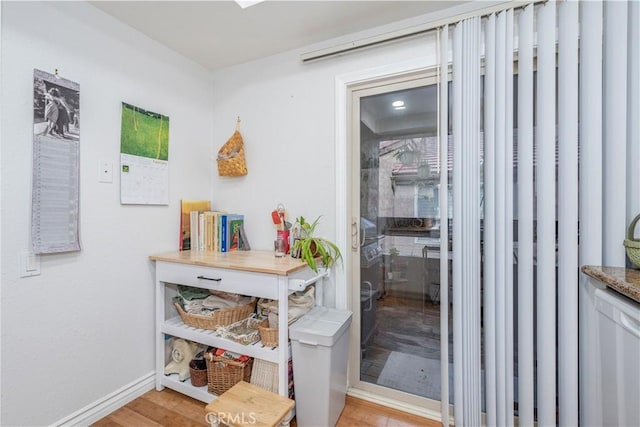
309	247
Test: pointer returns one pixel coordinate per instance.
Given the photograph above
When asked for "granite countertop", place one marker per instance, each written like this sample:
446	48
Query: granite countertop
623	280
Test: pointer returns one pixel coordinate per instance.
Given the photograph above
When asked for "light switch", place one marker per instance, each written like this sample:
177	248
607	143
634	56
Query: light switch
29	264
105	171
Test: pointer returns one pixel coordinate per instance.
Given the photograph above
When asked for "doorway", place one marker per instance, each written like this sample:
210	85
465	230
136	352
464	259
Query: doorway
394	193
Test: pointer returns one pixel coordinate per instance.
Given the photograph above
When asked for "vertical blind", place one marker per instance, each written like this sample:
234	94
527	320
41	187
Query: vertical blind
466	233
570	155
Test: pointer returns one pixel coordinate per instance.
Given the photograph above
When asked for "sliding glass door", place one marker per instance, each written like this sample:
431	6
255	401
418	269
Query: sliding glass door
395	201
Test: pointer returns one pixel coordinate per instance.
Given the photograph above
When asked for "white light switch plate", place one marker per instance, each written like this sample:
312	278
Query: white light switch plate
105	171
29	264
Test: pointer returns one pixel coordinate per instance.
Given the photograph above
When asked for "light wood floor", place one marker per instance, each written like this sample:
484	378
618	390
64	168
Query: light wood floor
172	409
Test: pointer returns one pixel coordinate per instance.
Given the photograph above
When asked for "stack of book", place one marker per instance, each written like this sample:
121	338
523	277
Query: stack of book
203	229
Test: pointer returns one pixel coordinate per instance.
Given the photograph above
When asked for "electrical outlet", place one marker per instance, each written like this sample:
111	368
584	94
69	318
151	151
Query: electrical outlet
105	171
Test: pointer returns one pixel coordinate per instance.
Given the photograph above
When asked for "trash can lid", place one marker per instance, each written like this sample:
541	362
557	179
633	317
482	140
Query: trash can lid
321	326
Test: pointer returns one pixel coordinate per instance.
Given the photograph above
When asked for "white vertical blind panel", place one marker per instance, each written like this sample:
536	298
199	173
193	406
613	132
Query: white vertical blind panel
546	226
444	225
633	115
615	130
508	214
590	183
457	234
489	222
500	248
568	213
467	222
473	224
591	133
525	218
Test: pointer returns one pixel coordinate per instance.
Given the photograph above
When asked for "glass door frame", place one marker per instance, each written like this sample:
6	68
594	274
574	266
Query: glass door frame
355	92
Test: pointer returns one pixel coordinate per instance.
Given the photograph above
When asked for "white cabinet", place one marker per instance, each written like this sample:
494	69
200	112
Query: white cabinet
255	273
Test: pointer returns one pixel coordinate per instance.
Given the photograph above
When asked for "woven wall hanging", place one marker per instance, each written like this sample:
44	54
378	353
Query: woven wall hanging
231	161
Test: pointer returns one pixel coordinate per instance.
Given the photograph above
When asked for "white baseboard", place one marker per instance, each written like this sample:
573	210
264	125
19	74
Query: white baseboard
109	403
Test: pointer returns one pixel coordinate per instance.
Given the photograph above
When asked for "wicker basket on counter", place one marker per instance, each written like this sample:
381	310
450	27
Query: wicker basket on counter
632	244
221	317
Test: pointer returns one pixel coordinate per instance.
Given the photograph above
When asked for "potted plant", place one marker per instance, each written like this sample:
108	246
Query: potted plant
308	247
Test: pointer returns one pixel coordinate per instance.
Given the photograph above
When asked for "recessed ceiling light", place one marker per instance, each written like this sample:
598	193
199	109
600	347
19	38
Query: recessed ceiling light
400	108
246	3
398	104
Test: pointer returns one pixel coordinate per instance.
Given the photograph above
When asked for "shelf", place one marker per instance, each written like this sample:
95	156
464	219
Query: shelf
175	327
185	387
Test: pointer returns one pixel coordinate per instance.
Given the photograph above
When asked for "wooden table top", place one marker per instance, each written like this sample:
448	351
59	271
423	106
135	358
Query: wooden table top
255	261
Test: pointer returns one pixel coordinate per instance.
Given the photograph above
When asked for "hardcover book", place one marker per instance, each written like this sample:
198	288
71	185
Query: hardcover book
234	223
186	207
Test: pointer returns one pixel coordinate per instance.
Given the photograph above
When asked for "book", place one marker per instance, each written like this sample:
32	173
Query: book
208	231
201	231
186	207
195	219
223	233
234	223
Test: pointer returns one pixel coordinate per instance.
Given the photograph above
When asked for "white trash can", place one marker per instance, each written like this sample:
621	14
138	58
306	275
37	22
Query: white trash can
320	353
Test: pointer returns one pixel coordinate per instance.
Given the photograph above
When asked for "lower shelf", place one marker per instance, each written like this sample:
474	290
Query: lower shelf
185	387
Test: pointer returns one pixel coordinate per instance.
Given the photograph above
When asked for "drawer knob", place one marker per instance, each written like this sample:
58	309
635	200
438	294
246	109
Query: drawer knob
219	279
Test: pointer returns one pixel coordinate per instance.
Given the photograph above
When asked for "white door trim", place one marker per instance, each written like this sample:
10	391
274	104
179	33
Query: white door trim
344	164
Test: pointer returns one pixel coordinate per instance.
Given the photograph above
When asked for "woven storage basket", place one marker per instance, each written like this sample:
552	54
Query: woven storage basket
231	160
632	244
222	317
221	378
268	336
265	374
244	332
198	375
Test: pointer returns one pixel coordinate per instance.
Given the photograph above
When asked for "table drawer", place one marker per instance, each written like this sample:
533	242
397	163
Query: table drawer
236	281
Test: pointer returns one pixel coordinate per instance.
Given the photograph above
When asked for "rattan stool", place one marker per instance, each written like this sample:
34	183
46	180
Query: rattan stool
245	404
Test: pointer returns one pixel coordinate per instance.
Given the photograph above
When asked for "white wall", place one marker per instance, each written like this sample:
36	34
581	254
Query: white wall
288	113
84	327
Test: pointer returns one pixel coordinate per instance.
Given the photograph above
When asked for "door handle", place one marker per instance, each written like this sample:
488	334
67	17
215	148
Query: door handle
355	242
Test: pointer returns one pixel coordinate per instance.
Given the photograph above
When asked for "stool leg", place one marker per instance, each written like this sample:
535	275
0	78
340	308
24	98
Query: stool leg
212	419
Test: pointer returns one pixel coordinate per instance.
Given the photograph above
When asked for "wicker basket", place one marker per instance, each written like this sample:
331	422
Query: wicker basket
268	336
222	373
632	244
231	160
243	332
265	374
222	317
198	374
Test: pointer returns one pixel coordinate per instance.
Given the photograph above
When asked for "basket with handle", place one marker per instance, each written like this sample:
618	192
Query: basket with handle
231	159
632	244
223	373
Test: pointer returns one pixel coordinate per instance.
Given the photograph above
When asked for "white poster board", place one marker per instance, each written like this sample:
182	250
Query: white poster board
55	199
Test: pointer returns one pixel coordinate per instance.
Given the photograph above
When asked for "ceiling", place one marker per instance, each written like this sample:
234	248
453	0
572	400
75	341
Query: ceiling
220	33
